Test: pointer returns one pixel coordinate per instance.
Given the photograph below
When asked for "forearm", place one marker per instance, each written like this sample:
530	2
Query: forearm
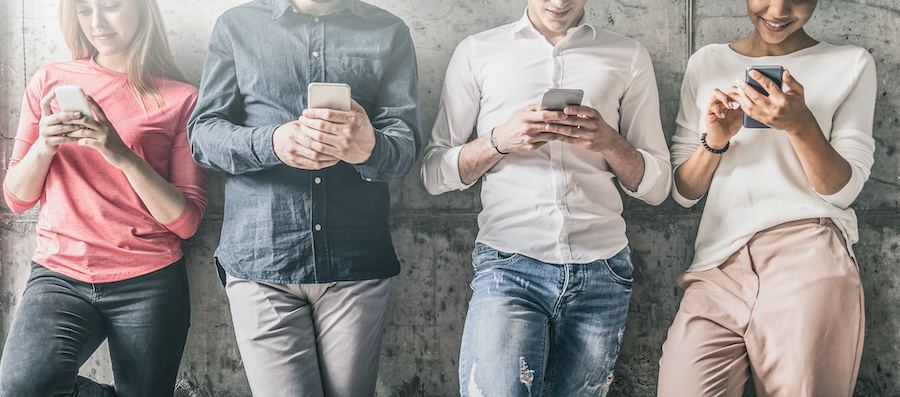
694	176
826	170
626	163
476	158
219	145
26	179
164	201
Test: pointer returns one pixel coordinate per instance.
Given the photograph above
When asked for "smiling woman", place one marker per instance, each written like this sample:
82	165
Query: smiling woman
776	226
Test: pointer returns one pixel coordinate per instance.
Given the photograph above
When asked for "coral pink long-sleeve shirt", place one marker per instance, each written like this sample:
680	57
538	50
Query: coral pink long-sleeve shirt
92	226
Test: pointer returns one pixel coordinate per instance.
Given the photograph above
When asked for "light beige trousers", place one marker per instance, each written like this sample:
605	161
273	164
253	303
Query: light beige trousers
786	309
309	340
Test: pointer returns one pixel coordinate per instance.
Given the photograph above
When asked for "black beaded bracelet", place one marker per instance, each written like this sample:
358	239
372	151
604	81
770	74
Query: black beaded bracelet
711	150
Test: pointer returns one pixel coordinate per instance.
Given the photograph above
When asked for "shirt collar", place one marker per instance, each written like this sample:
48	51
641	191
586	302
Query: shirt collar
279	7
525	24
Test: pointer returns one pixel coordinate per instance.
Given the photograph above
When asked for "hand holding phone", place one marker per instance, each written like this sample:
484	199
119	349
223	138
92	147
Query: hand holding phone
71	99
772	72
329	95
558	98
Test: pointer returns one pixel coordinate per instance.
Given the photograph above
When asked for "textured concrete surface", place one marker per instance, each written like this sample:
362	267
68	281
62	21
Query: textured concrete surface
434	235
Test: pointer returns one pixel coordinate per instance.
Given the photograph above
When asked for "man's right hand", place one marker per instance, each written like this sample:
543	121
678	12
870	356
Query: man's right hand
286	142
526	130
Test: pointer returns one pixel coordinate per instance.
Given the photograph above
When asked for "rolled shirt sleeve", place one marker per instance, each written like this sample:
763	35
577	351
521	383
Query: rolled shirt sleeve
640	124
457	114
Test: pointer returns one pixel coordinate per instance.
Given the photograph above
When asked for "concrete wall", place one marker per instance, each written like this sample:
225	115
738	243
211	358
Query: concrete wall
434	235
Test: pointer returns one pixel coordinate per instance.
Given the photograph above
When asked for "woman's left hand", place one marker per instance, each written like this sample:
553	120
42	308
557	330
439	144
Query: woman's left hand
100	134
782	110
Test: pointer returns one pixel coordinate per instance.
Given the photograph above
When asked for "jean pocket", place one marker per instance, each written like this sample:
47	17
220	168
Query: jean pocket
483	256
620	268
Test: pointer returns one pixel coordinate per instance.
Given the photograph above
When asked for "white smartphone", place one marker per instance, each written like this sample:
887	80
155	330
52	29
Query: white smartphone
71	99
558	98
329	95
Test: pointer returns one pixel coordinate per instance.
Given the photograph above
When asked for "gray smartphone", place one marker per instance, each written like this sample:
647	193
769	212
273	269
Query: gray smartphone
329	95
558	98
772	72
71	99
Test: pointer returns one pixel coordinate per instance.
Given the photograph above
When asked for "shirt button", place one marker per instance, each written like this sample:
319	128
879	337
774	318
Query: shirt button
294	10
318	180
318	227
316	19
315	54
368	179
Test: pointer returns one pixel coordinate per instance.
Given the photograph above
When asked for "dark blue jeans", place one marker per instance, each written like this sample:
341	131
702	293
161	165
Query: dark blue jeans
60	322
541	329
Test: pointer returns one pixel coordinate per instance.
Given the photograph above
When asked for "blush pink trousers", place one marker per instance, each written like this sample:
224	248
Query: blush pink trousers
786	309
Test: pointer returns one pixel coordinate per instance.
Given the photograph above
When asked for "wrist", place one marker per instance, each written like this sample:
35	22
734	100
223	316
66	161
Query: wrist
712	146
495	143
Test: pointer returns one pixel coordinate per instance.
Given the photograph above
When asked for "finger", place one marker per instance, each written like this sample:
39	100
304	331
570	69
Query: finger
319	125
317	141
543	116
309	155
60	130
355	107
748	93
60	139
790	83
719	102
573	121
564	130
771	87
581	111
547	137
45	103
335	116
98	111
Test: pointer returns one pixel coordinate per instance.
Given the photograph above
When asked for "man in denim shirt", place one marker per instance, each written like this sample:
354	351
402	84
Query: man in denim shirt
305	243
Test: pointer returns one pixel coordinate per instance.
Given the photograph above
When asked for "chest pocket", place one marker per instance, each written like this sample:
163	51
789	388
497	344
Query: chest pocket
363	75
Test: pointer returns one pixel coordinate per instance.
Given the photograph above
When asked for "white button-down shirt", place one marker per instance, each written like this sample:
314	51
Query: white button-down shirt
557	204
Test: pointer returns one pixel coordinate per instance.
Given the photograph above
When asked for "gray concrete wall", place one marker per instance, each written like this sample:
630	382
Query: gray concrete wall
434	235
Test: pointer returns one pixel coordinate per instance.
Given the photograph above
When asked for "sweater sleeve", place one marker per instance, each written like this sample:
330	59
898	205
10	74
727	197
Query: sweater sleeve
189	178
687	135
851	132
26	134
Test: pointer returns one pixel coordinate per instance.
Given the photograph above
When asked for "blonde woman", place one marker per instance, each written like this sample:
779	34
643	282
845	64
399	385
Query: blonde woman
118	190
773	291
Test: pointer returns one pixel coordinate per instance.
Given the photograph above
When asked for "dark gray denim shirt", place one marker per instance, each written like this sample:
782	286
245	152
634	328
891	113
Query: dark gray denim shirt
283	224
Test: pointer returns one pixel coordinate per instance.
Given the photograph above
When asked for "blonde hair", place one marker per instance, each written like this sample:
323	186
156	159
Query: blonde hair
147	55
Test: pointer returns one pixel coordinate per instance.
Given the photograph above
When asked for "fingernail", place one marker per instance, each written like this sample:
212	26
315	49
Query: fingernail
735	105
77	115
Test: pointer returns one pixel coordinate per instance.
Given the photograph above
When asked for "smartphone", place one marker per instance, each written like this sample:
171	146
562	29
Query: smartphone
71	99
329	95
772	72
558	98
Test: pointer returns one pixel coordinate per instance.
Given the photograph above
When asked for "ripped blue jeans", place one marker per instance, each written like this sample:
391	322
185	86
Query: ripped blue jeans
541	329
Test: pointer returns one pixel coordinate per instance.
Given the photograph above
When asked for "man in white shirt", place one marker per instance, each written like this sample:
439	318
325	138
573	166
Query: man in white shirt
552	270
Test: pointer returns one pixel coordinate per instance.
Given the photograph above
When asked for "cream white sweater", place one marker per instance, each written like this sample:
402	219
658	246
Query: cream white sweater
759	182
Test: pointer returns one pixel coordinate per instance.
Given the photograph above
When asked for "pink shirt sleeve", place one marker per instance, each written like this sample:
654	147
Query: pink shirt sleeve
189	178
